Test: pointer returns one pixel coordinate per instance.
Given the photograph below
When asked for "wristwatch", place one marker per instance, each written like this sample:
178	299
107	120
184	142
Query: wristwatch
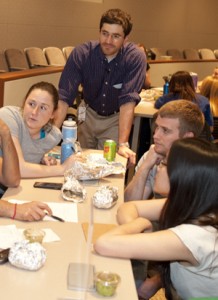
126	144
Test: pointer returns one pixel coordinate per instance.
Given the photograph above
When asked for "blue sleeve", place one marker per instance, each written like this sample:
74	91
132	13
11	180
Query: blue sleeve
160	102
134	77
208	115
71	77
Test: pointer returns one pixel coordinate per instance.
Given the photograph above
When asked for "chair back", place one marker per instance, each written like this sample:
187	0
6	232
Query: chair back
175	53
3	64
158	52
191	54
67	50
216	53
36	57
54	56
16	59
206	54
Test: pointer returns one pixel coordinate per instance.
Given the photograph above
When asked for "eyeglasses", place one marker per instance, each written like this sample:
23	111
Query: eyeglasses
113	36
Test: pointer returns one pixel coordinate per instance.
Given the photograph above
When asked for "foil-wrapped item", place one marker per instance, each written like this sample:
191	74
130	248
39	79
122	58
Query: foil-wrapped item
93	169
72	190
105	197
29	256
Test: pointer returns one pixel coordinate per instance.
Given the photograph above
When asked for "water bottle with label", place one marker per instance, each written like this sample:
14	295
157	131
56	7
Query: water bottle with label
69	135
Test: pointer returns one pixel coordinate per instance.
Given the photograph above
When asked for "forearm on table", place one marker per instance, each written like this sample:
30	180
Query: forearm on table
148	209
116	241
6	209
31	170
137	225
126	213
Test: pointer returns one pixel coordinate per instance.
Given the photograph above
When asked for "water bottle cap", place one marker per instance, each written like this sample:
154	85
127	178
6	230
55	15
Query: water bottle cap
69	123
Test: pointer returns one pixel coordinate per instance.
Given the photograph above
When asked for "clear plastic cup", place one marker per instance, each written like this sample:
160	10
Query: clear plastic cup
106	283
34	235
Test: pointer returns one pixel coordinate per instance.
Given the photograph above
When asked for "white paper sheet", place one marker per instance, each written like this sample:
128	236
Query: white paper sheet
66	211
9	234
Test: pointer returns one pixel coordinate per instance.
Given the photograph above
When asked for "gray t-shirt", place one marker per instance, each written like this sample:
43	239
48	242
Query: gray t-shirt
33	149
201	280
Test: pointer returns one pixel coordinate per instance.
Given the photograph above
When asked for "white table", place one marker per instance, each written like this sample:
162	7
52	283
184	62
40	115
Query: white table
50	282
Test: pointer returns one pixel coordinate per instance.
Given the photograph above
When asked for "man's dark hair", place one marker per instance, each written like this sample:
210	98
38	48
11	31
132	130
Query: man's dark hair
117	16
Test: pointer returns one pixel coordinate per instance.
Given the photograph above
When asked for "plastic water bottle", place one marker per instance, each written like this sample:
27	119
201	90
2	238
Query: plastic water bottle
69	130
69	135
166	85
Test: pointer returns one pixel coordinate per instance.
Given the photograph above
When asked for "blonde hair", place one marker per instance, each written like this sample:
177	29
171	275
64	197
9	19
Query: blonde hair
206	86
214	97
209	89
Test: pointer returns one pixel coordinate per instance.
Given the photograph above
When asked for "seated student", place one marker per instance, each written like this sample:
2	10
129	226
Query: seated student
175	120
33	133
181	86
209	89
213	75
10	177
187	217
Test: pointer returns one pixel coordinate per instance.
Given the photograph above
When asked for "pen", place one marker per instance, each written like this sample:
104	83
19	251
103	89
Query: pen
56	218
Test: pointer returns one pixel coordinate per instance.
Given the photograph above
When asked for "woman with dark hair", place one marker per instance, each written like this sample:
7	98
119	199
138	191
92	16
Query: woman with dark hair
181	86
187	242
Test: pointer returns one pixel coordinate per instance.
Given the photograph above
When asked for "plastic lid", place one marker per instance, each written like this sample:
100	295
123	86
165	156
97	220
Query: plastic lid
69	123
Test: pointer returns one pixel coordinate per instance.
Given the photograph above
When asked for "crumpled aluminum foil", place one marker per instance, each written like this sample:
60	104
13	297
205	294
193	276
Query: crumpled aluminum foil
25	255
90	170
105	197
72	190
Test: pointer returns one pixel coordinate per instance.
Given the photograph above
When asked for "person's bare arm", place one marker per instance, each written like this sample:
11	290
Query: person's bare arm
147	84
9	164
132	210
134	240
31	211
125	125
60	113
137	188
31	170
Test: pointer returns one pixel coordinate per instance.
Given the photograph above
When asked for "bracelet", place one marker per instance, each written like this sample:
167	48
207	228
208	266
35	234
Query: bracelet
15	210
126	144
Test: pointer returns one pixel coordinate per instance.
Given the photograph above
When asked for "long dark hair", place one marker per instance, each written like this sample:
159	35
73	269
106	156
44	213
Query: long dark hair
192	168
181	83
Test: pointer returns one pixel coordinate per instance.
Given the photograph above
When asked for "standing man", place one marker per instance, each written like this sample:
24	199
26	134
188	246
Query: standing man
112	73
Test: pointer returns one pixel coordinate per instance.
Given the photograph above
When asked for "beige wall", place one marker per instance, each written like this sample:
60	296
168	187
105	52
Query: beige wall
15	90
157	23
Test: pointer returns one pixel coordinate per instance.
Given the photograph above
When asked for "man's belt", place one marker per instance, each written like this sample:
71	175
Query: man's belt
105	114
